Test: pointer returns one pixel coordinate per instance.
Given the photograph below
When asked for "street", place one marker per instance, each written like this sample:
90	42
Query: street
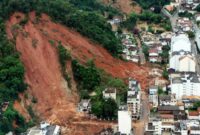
141	54
139	126
196	43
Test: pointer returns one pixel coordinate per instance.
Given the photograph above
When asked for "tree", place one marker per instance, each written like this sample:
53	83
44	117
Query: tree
165	74
130	22
191	34
106	109
196	104
87	76
63	55
198	8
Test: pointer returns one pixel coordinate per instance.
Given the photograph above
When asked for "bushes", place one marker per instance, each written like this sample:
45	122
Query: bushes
63	54
149	3
185	14
198	8
191	34
9	116
131	21
106	109
88	77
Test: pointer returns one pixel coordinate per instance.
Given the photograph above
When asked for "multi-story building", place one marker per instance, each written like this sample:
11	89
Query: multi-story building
182	61
124	123
134	99
154	127
153	96
180	42
167	100
185	84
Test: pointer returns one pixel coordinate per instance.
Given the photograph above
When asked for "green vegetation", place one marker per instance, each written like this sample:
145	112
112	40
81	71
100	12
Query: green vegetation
92	80
191	34
11	83
106	109
146	16
165	74
86	21
85	17
63	54
198	8
88	77
9	116
145	50
185	14
130	22
152	3
161	92
94	5
165	54
195	106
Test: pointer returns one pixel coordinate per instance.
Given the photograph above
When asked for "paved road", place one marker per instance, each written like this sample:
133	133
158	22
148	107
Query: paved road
195	49
141	54
139	126
173	17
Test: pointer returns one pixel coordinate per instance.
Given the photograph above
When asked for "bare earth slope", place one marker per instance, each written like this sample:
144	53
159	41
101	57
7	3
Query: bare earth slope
126	6
56	102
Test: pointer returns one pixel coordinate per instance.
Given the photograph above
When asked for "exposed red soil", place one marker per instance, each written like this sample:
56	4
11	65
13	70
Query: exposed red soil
55	101
126	6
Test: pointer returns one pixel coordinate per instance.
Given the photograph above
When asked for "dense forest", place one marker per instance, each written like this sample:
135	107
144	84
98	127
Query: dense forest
152	3
86	17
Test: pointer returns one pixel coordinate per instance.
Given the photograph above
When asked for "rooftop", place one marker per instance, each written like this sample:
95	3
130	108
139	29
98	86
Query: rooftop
186	77
110	90
169	108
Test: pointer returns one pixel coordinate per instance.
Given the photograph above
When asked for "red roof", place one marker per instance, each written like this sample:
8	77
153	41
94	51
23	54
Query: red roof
193	113
153	50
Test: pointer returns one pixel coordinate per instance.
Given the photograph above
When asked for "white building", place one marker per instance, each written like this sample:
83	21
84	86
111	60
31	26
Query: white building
45	129
134	99
195	130
110	93
189	1
185	84
153	96
167	100
197	17
180	42
124	122
182	61
154	126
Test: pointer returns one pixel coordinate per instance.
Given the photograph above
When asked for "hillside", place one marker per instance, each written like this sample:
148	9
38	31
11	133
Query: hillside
126	6
55	101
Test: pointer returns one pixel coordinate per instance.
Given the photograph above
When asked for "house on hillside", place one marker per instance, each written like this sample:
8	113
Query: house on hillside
154	55
110	93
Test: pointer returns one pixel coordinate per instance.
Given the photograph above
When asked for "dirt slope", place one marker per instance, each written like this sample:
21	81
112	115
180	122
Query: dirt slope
55	101
126	6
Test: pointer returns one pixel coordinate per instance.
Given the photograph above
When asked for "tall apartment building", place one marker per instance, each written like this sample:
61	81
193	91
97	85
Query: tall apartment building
134	99
185	84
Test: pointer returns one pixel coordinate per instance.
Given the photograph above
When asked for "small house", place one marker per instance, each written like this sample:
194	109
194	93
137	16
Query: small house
110	93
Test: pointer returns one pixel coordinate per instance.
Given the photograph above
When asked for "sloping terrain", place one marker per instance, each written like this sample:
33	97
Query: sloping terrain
126	6
36	41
